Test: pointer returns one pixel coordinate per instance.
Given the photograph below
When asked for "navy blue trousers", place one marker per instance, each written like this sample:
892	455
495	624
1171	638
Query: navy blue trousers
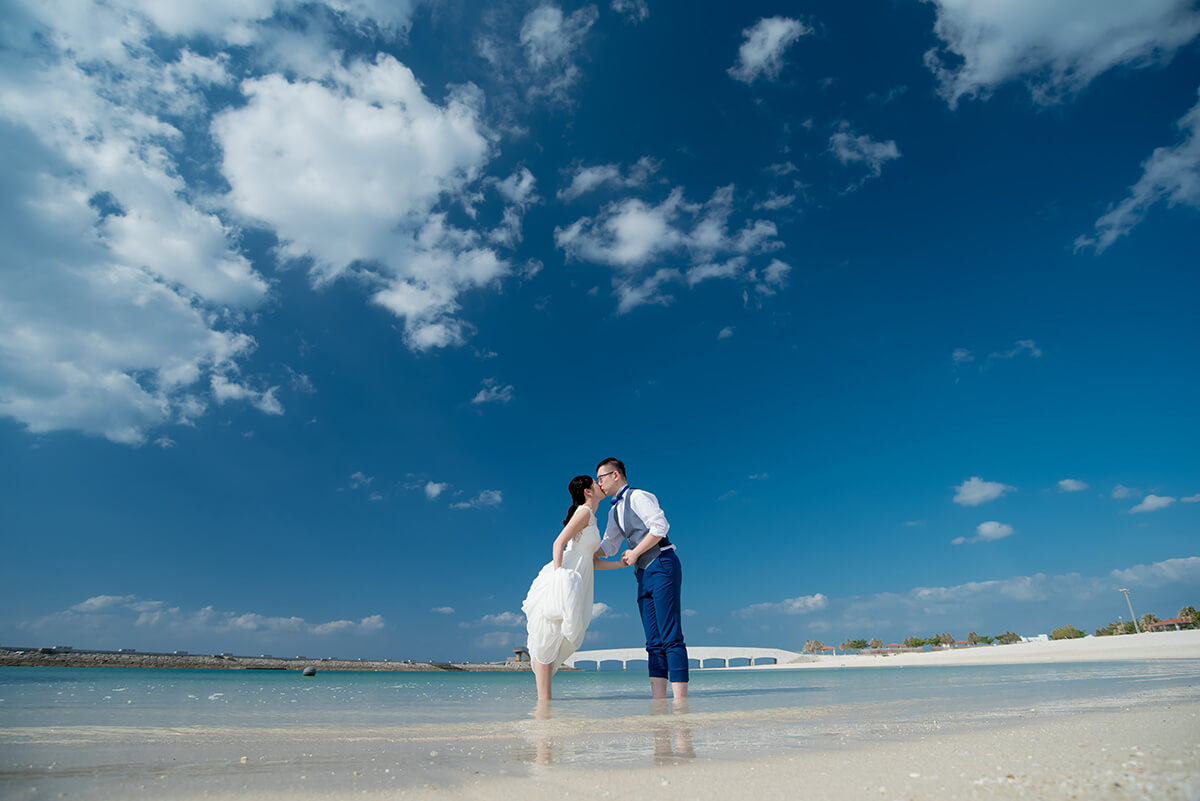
658	601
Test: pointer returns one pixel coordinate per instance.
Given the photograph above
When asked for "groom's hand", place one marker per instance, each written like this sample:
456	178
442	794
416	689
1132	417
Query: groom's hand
629	558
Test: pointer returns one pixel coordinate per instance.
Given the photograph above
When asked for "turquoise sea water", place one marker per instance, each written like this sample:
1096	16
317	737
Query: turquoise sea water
103	730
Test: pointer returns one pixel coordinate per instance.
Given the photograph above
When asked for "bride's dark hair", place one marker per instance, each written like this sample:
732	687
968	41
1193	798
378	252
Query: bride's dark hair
576	488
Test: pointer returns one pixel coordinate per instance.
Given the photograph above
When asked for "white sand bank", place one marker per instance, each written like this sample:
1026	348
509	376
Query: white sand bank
1157	645
1145	753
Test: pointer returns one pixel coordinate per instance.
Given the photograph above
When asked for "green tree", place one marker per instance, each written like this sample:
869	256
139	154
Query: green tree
1008	637
859	644
1067	632
913	642
875	643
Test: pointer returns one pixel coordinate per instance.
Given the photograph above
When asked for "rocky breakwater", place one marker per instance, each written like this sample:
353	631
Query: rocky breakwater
49	658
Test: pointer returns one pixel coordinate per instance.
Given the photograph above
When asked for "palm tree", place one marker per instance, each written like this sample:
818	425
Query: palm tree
1147	619
1188	615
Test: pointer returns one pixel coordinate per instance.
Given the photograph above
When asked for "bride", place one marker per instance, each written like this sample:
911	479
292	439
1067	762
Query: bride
558	607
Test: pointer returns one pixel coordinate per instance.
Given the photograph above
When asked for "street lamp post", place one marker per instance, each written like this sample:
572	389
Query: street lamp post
1132	616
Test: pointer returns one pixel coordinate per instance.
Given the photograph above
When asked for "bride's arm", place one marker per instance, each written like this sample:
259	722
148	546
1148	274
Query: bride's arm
573	527
604	564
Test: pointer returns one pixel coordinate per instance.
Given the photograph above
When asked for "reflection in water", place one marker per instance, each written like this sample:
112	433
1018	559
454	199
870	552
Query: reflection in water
670	737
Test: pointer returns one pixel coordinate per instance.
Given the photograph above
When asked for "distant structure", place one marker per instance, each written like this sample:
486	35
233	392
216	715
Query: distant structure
1173	624
520	654
703	656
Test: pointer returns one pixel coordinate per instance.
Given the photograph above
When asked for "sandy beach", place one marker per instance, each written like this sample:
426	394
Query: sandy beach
1155	645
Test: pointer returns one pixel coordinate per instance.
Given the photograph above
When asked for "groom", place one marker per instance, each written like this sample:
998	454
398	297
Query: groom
636	518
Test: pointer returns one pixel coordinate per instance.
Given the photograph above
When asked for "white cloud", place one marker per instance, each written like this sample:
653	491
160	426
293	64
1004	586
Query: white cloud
224	390
1191	498
725	333
503	619
493	391
975	491
1152	503
1071	485
1019	347
1121	491
630	235
125	284
986	532
1170	571
351	173
164	442
497	639
632	10
762	51
434	489
1057	48
442	610
587	179
800	605
1170	174
485	498
961	356
774	202
850	148
360	480
128	612
552	41
599	609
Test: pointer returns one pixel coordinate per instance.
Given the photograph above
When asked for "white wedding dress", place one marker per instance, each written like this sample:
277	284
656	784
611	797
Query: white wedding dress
558	607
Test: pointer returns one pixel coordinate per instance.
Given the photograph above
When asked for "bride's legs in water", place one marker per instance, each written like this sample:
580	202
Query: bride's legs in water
542	673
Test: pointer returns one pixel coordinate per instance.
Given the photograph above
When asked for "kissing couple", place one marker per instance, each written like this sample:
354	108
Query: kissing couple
558	607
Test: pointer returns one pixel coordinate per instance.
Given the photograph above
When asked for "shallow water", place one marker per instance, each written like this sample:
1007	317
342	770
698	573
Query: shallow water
111	731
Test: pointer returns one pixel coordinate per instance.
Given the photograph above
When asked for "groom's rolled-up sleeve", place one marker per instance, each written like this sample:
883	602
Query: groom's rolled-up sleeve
647	508
612	538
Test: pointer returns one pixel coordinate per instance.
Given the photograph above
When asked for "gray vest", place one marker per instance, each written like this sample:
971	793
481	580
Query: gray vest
635	529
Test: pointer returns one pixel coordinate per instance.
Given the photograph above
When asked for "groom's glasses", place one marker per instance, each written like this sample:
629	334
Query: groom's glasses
600	477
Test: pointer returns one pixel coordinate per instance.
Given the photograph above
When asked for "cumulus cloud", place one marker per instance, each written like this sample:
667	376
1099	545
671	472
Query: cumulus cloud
551	42
986	532
799	605
493	391
975	491
725	333
631	236
587	179
484	499
503	619
1055	48
130	614
1071	485
850	148
1028	604
434	489
350	173
442	610
360	480
1170	174
126	283
1121	491
1191	498
1153	503
761	52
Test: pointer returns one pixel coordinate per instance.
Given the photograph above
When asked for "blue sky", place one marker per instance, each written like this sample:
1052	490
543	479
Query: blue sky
309	311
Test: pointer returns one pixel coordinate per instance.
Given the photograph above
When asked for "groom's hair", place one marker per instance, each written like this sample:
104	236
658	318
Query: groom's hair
615	462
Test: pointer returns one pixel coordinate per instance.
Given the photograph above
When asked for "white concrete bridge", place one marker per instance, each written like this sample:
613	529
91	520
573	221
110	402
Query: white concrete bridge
699	656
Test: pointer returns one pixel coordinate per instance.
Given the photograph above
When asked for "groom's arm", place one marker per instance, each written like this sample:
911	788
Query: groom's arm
647	508
612	539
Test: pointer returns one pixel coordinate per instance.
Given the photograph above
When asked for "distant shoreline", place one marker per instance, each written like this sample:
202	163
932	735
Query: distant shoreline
37	658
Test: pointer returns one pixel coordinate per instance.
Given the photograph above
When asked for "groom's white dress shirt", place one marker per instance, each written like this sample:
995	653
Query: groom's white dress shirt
645	506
